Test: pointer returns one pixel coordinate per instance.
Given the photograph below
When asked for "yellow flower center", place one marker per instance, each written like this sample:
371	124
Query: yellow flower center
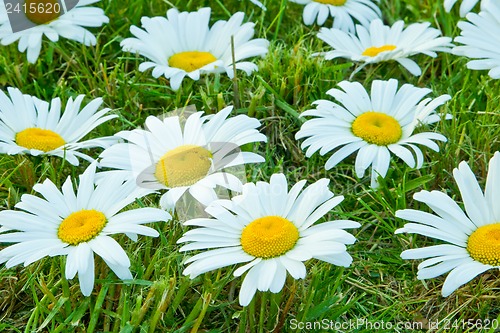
374	50
81	226
38	138
269	237
42	11
484	244
183	166
332	2
377	128
191	60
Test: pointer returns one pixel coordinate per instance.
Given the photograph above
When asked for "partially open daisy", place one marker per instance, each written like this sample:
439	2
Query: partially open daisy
380	42
271	229
481	37
182	44
376	125
473	240
55	24
343	12
77	225
32	126
166	156
465	7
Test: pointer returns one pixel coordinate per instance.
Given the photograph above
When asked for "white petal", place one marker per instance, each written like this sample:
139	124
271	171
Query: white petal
492	190
279	279
240	270
249	286
268	270
461	275
85	259
296	268
472	195
110	250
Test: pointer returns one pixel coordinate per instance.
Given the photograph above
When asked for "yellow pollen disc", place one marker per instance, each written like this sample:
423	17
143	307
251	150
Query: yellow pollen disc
269	237
81	226
484	244
183	166
39	138
42	11
377	128
374	50
332	2
191	60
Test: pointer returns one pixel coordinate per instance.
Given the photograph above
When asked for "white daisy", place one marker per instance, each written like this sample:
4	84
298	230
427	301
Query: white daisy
270	229
481	37
69	25
465	7
165	156
376	125
384	43
77	226
182	44
473	239
342	11
32	126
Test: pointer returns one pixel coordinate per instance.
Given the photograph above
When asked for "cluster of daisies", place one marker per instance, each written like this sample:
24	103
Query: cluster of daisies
194	48
268	227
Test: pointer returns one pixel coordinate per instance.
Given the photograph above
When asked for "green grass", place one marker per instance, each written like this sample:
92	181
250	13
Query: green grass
379	285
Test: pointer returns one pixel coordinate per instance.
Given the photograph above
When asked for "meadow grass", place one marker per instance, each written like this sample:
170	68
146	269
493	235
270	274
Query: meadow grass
379	285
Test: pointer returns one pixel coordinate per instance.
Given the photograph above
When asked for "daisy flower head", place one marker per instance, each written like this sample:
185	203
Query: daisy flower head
270	229
29	125
182	44
481	37
167	156
379	42
375	125
465	7
77	225
343	12
472	237
55	23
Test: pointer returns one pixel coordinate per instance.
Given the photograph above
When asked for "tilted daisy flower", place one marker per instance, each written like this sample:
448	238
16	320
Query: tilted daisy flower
271	230
166	156
77	225
182	44
55	24
473	240
375	125
481	37
379	42
465	7
342	11
32	126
